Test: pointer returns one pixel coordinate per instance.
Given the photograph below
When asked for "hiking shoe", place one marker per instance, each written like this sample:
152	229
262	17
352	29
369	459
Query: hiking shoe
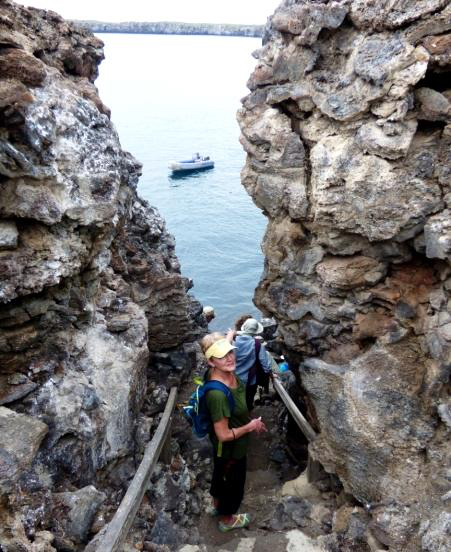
239	521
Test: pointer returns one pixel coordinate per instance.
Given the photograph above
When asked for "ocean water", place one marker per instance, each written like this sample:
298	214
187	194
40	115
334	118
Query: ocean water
172	96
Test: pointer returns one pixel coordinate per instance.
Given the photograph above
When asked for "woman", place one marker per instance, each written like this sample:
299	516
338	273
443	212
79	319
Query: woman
230	434
247	351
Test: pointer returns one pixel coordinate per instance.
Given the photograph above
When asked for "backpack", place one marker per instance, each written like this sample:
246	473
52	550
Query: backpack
262	378
196	411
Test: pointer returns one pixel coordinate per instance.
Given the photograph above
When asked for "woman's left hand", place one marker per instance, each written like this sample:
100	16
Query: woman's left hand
258	425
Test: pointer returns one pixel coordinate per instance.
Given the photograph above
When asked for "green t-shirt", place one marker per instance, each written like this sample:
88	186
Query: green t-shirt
218	405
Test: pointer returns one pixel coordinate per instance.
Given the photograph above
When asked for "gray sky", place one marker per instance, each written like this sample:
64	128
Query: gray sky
191	11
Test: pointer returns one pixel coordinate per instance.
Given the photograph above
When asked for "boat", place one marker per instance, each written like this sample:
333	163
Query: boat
196	163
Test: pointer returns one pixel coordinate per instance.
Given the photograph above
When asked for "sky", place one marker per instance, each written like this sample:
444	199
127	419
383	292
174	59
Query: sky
190	11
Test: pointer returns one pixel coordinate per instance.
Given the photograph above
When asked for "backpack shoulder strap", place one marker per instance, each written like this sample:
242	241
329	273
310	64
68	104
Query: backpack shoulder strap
219	386
257	347
255	367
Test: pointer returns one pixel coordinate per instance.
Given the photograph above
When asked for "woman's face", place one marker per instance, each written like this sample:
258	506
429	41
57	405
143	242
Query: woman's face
226	363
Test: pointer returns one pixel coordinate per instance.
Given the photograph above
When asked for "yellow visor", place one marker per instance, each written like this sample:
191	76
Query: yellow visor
219	349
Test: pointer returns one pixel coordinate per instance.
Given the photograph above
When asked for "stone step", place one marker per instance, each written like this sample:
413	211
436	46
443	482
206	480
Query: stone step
289	541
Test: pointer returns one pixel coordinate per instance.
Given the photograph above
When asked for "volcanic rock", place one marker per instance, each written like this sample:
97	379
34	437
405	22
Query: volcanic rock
90	284
349	107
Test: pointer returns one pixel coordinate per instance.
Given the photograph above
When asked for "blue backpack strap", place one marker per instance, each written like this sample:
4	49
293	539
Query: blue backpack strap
215	385
211	385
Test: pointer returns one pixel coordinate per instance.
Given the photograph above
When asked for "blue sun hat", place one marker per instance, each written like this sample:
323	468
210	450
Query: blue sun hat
251	327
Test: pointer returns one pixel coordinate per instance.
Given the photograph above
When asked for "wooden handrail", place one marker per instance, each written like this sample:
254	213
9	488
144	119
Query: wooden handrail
304	426
119	526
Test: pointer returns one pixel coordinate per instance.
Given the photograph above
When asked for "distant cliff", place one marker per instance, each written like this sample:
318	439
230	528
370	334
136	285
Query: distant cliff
164	27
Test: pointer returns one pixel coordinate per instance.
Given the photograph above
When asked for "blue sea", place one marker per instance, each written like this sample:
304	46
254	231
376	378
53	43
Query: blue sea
172	96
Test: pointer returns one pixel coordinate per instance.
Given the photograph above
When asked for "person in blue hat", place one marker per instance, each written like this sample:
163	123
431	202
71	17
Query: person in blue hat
250	351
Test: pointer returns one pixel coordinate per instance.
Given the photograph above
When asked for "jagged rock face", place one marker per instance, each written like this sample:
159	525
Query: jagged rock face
89	279
347	133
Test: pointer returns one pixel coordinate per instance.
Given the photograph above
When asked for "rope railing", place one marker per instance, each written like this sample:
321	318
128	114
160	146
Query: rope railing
117	529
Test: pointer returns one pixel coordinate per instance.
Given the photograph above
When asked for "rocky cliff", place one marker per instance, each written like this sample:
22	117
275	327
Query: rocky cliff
170	27
90	294
347	133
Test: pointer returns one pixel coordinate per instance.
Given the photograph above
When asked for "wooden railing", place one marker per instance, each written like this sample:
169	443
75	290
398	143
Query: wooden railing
314	468
119	526
117	529
304	426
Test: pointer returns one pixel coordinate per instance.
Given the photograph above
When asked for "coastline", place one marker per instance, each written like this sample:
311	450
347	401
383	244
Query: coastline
166	27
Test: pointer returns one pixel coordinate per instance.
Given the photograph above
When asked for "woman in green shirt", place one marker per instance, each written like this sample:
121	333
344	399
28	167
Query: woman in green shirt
230	433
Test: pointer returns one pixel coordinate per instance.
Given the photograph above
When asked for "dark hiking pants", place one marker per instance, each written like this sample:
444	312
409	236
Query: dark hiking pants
250	395
227	484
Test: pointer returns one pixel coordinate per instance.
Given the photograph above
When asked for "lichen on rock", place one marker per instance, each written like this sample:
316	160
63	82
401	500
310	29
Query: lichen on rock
357	260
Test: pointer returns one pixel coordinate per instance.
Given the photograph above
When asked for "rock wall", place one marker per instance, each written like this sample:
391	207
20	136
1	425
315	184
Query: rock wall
347	134
92	303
